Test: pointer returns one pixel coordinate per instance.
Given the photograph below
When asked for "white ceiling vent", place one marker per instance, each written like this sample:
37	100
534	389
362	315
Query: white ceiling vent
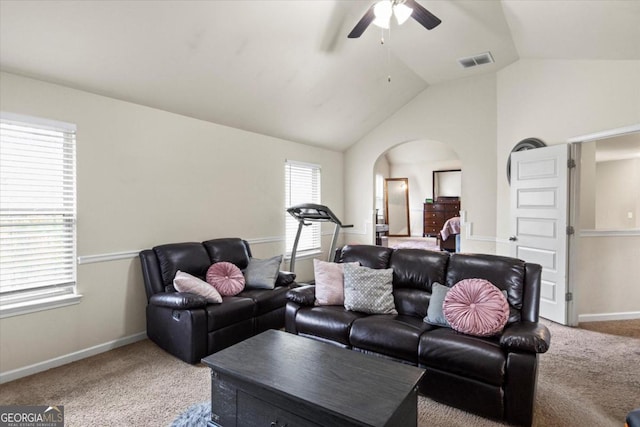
472	61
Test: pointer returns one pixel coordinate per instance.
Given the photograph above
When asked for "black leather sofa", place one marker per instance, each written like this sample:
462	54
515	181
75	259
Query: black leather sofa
494	377
188	327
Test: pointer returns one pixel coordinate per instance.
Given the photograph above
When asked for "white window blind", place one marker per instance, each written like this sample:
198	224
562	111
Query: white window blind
37	209
302	185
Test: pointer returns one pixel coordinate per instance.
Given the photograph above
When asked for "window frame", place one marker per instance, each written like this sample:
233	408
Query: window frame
291	224
42	296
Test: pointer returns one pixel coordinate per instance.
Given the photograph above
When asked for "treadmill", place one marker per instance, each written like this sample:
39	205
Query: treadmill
308	213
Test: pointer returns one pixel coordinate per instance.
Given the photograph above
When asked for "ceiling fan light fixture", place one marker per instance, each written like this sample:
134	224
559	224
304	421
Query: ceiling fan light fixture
402	12
383	11
380	12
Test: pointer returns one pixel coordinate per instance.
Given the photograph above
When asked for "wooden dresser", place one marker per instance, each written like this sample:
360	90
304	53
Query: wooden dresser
436	214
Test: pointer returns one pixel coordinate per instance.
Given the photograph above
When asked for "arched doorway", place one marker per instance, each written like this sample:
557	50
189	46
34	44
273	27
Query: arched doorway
416	161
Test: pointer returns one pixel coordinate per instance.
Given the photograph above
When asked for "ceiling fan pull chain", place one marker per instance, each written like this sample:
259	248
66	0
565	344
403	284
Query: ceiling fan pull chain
389	56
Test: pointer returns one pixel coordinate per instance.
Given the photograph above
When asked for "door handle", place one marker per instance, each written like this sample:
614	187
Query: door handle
513	238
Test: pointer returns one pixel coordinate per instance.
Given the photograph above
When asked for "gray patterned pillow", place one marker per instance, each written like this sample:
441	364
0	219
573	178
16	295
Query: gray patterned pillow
368	290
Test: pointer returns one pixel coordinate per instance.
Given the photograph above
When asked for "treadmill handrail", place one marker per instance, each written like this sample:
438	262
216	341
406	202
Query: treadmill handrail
314	212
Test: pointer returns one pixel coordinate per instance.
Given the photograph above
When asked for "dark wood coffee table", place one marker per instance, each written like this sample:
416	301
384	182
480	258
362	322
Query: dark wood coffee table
279	379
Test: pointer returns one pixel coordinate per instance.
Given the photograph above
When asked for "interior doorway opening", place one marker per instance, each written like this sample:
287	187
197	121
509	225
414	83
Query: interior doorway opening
416	162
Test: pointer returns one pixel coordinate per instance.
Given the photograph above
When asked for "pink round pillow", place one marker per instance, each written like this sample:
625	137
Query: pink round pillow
476	307
226	278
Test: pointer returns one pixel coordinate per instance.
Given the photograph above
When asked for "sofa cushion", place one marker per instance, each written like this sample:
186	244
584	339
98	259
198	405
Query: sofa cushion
368	290
392	335
366	255
266	300
328	321
506	273
233	250
189	257
465	355
226	278
411	302
418	269
185	282
232	310
329	279
476	307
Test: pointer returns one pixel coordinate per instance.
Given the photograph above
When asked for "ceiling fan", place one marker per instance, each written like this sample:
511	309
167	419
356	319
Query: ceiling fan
380	15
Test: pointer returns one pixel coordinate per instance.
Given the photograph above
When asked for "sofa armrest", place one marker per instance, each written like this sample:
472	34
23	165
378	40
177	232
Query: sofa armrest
285	278
178	300
530	337
304	295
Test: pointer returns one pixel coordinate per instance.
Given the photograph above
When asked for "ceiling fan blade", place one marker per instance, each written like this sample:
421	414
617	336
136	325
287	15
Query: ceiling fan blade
423	16
362	24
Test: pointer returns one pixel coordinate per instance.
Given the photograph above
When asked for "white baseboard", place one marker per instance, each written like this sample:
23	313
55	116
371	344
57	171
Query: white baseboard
601	317
68	358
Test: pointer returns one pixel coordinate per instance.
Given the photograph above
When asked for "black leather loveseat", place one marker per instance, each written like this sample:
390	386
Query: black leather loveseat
494	377
188	327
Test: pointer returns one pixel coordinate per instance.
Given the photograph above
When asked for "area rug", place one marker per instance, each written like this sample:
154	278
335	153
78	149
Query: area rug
196	416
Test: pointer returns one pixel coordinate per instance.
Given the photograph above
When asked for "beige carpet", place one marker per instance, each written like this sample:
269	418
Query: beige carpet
586	379
625	328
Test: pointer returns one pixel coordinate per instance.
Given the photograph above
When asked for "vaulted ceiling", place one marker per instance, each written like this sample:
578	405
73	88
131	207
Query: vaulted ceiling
286	68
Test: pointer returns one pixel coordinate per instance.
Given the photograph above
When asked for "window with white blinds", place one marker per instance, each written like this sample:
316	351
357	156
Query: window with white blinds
302	185
37	209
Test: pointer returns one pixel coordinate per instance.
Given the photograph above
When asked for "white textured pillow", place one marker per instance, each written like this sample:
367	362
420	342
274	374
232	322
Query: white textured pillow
368	290
185	282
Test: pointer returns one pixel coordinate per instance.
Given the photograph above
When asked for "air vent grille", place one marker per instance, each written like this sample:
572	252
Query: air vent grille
472	61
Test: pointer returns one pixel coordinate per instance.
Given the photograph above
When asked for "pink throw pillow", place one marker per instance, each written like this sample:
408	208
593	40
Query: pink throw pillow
226	278
329	278
185	282
476	307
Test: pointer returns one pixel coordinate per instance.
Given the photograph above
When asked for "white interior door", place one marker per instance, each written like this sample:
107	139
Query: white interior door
539	211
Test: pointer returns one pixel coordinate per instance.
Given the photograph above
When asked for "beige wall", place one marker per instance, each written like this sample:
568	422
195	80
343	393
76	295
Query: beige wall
147	177
555	100
617	194
460	114
587	185
608	277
